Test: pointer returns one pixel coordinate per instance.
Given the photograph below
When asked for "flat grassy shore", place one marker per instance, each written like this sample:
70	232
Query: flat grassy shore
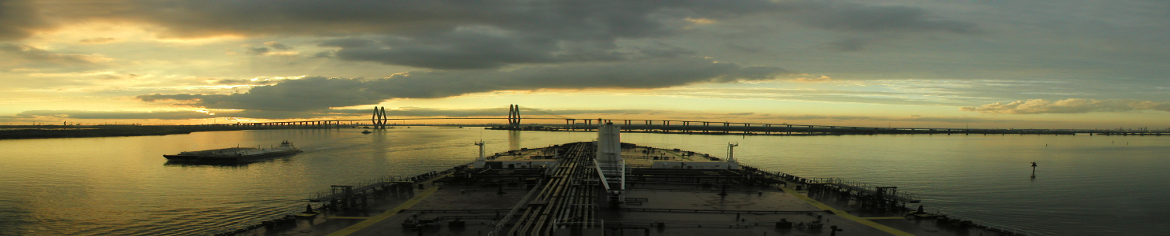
78	131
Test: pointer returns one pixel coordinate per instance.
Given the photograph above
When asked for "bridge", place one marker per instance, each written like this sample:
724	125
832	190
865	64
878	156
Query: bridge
379	120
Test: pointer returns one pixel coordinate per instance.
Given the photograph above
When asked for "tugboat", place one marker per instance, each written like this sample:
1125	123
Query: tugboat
235	154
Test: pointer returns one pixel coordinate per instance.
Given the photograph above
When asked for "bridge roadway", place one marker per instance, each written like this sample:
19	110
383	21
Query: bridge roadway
701	127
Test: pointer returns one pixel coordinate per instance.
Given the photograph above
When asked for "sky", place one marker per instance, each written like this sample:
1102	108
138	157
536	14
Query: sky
1084	64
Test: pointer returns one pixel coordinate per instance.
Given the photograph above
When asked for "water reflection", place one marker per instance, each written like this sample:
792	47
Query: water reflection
209	165
513	139
113	184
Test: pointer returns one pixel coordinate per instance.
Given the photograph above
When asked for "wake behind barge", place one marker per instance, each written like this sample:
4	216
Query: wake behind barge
235	154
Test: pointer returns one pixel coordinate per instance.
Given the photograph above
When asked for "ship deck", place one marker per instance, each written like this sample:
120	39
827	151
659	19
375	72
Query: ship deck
567	200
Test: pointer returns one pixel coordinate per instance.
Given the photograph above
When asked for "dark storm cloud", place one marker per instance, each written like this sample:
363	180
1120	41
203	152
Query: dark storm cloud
571	20
484	49
643	74
348	43
746	49
588	33
318	93
495	33
324	54
456	50
869	24
484	34
18	19
314	93
847	45
662	50
877	19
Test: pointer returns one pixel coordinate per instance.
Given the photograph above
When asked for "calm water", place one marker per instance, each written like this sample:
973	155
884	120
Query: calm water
1084	185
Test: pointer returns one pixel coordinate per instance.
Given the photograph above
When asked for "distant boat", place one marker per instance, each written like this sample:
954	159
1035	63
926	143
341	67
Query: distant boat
366	132
234	155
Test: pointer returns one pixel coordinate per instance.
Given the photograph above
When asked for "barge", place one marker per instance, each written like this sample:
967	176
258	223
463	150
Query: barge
235	154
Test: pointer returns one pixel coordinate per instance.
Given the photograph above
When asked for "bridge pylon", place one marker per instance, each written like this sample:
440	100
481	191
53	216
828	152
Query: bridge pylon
514	116
379	118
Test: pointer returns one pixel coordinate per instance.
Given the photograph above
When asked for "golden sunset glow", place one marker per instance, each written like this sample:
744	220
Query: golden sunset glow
898	63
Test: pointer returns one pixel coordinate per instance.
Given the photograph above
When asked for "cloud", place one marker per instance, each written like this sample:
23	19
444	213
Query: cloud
184	115
871	24
323	54
271	48
19	19
78	114
877	19
489	33
24	58
744	49
482	47
662	50
32	55
173	97
1071	105
847	45
567	20
96	40
563	18
915	118
257	50
317	93
314	93
277	45
458	50
484	34
865	93
245	81
822	78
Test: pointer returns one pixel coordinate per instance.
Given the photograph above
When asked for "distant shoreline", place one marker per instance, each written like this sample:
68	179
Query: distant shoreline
91	131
